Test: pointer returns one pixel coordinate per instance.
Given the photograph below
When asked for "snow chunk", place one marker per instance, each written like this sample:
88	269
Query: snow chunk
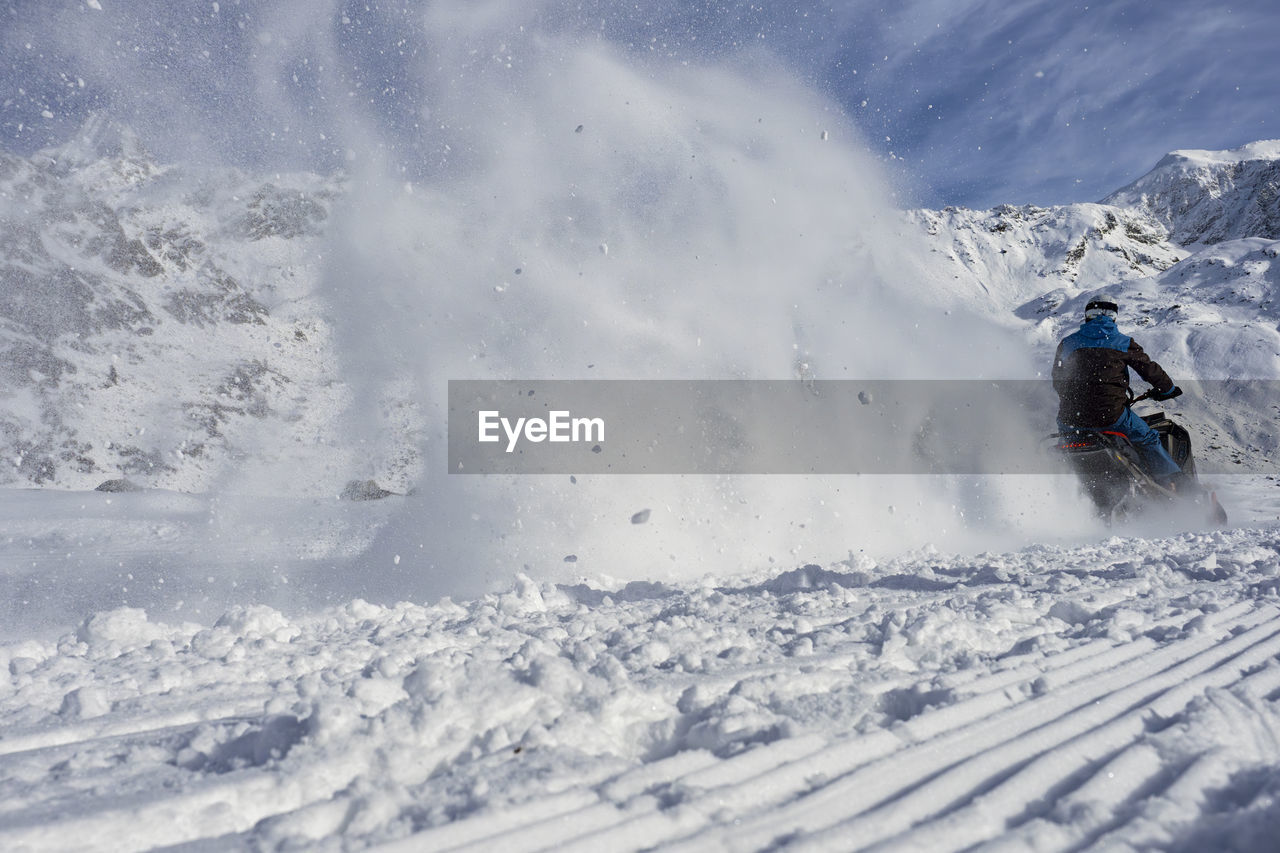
363	610
1071	612
256	621
254	624
525	598
375	695
114	632
23	658
554	675
428	683
84	703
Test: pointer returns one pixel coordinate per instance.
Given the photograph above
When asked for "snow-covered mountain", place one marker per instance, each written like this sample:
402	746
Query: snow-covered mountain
1211	196
166	324
157	323
1190	246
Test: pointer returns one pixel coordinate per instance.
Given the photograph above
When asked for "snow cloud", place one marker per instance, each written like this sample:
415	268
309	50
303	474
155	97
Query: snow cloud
580	213
530	197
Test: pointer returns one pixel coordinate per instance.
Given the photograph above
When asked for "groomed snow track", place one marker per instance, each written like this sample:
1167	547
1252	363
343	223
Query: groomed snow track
990	766
1121	696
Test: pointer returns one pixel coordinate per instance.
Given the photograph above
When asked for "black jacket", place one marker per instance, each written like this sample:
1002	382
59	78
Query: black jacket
1091	374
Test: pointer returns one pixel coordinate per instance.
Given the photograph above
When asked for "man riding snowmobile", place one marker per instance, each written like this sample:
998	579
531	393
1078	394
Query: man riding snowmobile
1091	376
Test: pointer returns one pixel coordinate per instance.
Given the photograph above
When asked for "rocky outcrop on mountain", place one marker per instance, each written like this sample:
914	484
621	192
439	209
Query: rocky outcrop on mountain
1014	256
364	490
153	321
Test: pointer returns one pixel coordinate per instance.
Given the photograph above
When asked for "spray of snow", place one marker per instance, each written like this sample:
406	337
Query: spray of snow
575	214
524	199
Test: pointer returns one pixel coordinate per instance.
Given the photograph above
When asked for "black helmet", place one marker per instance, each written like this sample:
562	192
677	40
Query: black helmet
1101	308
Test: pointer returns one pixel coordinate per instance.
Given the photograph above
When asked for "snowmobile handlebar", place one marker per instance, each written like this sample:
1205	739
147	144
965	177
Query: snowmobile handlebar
1150	393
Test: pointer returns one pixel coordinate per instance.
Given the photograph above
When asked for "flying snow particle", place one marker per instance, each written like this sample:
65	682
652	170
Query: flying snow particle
604	248
94	4
864	398
640	517
824	136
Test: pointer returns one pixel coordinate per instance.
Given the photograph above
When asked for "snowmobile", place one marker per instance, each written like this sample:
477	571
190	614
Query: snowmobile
1112	475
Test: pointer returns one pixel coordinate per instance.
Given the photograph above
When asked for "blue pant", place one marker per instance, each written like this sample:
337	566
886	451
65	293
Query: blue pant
1145	440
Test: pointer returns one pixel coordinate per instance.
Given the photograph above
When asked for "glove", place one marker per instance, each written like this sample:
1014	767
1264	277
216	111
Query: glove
1174	391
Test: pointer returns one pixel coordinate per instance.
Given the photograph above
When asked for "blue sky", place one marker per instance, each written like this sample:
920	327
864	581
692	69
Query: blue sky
971	102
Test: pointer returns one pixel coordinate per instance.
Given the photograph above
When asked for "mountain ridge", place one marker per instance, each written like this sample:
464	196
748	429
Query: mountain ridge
157	323
1211	196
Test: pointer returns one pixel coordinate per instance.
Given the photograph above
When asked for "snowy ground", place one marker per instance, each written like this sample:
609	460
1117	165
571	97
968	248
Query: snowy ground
1118	694
179	556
